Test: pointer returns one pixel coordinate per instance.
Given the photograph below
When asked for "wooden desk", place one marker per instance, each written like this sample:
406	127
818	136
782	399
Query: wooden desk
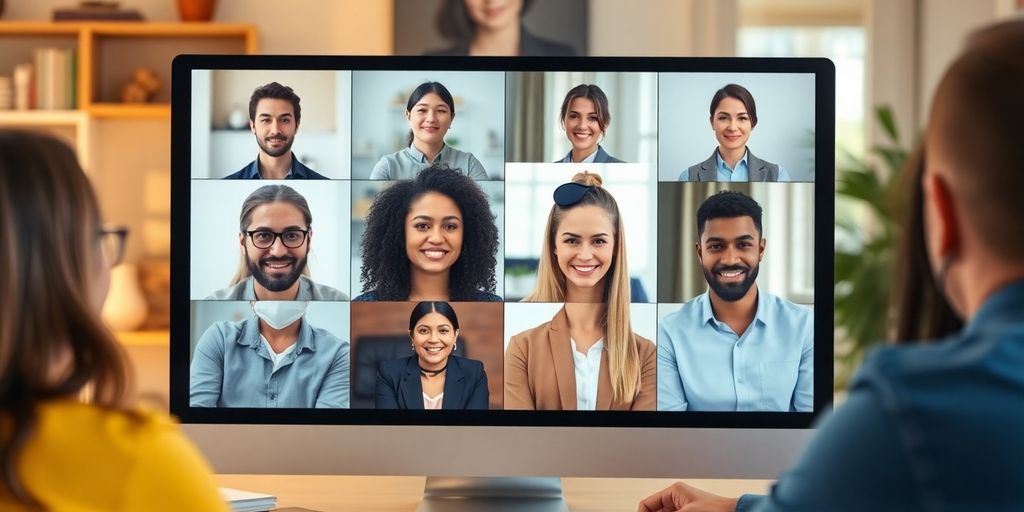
403	493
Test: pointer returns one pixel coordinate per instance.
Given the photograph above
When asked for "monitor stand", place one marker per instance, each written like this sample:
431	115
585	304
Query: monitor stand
493	494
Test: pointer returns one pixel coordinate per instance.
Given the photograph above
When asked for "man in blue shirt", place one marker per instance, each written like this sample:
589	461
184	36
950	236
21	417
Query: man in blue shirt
937	426
735	347
274	115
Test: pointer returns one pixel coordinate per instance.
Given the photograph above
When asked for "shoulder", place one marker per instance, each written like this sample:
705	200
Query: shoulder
646	347
790	312
482	296
451	51
242	173
366	297
324	292
233	292
532	335
393	368
604	157
468	365
223	331
688	312
532	45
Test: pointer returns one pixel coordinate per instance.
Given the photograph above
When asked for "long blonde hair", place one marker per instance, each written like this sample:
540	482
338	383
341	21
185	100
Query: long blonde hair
620	342
49	253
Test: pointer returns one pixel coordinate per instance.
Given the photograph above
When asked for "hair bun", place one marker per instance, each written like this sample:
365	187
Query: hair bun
587	178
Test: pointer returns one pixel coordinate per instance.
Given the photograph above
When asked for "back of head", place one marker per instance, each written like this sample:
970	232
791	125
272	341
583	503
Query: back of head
974	123
52	343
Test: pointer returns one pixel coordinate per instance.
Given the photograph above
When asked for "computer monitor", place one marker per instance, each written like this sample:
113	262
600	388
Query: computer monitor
703	386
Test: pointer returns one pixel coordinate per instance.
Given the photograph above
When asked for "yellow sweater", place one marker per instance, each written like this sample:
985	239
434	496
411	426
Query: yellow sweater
85	458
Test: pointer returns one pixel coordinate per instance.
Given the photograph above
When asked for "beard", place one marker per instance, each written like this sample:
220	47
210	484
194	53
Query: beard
731	292
265	145
276	283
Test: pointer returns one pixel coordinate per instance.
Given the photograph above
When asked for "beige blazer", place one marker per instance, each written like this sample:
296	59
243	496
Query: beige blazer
540	373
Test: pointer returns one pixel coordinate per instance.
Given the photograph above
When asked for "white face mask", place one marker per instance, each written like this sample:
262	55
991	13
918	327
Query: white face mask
279	313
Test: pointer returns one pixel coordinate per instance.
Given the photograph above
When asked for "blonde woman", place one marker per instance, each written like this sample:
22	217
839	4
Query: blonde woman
587	357
69	437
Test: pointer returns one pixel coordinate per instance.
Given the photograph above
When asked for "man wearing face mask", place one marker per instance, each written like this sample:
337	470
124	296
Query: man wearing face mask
936	425
735	347
274	358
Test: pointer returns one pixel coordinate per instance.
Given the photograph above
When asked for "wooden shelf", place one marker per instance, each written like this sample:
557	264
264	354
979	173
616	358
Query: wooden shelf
130	111
42	117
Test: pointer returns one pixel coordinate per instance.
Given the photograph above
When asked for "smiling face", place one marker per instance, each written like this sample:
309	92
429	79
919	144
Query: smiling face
730	250
433	233
430	119
582	125
276	268
433	338
584	247
731	123
494	14
274	126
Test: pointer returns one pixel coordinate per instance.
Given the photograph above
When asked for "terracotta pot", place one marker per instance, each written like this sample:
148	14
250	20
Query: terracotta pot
196	10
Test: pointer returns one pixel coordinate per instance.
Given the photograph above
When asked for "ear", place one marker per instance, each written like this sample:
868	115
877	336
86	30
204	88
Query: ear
241	241
252	126
711	121
760	249
700	253
937	192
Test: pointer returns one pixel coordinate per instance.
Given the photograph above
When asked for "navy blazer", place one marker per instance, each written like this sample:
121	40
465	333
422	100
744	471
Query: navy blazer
602	157
399	387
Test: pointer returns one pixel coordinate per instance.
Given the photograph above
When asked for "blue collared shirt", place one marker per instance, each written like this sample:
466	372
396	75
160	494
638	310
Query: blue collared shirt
704	366
298	171
934	426
232	367
742	170
405	164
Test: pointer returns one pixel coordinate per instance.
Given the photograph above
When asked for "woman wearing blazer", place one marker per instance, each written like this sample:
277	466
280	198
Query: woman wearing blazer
432	378
733	117
585	118
587	357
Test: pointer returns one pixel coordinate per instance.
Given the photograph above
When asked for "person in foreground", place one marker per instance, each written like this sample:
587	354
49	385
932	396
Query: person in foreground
586	358
70	436
432	377
735	347
936	426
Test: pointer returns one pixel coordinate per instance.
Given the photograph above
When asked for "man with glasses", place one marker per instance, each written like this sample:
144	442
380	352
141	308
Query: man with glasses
275	235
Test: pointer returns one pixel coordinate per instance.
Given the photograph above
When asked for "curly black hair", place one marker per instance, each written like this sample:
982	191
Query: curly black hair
383	242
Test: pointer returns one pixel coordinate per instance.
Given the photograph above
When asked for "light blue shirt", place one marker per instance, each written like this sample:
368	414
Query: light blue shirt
232	367
932	426
588	160
407	163
704	366
742	170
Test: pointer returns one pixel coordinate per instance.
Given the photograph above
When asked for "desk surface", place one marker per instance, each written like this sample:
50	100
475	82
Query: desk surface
403	493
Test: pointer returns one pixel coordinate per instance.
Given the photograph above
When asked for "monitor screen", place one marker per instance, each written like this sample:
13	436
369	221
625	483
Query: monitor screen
587	242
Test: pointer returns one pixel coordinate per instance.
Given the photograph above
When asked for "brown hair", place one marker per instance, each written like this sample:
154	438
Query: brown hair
50	252
737	92
623	355
975	116
594	94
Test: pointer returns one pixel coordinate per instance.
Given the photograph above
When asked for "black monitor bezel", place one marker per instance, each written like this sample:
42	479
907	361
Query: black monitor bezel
824	260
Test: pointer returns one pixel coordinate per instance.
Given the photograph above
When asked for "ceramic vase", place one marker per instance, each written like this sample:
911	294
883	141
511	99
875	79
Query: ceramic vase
196	10
125	308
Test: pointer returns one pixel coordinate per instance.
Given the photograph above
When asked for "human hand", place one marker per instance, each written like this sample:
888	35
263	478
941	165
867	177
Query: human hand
686	498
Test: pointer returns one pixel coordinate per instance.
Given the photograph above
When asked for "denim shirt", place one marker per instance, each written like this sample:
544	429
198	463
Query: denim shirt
231	367
935	426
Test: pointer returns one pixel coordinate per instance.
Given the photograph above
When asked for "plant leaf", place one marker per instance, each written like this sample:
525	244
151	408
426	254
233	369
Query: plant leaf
885	118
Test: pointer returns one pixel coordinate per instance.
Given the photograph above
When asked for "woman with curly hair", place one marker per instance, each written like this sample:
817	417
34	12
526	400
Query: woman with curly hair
589	348
431	238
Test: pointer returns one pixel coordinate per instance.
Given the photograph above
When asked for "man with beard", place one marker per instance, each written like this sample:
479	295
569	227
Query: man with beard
274	115
275	235
735	347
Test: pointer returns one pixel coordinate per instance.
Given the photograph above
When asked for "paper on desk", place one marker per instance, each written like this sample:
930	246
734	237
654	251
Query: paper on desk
245	501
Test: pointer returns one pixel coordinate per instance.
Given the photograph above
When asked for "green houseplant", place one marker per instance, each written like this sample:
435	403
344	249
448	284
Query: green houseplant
866	247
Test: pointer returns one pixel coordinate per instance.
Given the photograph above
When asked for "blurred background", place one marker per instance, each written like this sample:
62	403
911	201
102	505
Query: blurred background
222	142
535	101
887	53
380	128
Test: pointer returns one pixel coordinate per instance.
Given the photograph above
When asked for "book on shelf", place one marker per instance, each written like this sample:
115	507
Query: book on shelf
48	82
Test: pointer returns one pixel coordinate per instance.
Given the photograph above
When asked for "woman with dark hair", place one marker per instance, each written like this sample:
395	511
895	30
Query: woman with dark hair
430	238
733	117
492	28
585	118
71	437
432	377
589	348
429	111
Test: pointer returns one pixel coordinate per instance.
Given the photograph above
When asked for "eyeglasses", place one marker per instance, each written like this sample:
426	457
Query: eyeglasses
112	242
291	238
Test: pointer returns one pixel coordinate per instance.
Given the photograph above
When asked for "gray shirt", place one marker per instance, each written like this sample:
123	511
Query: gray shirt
405	164
308	290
